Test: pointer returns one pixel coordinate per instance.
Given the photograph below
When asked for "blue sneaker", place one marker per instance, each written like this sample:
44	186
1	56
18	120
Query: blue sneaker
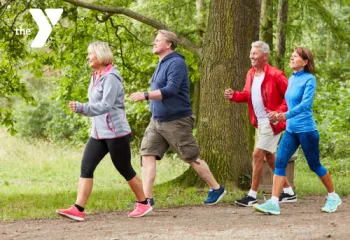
268	207
214	196
332	204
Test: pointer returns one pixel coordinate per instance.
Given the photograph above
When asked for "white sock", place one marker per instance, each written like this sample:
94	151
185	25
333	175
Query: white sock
332	194
288	190
274	200
252	193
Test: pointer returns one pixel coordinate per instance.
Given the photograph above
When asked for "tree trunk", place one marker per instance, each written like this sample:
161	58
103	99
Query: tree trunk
201	18
225	135
281	32
266	26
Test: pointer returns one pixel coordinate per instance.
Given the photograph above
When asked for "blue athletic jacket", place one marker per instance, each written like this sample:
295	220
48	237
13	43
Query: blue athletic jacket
171	78
299	97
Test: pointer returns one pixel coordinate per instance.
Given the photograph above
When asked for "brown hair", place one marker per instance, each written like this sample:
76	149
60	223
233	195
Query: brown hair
170	37
306	54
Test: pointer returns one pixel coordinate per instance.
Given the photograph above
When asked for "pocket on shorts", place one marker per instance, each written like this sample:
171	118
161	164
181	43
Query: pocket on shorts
266	130
144	141
188	151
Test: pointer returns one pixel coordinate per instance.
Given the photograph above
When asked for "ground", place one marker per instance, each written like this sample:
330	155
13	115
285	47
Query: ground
301	220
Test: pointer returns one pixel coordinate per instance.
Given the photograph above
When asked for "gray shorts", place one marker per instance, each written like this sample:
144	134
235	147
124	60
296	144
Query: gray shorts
176	134
267	140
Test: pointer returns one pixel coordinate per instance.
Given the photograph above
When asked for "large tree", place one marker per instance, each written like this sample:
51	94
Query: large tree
224	133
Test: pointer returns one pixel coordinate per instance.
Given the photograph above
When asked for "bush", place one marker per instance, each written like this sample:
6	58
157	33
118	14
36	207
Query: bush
46	119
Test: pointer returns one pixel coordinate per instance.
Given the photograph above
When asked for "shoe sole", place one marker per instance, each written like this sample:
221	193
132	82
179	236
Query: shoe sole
75	218
219	198
266	212
143	214
251	204
331	211
288	200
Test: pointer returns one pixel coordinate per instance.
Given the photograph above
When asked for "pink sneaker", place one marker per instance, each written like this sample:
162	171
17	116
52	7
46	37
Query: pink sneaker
140	210
72	213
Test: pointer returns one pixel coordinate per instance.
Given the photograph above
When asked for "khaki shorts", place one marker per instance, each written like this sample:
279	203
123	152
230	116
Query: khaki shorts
266	139
176	134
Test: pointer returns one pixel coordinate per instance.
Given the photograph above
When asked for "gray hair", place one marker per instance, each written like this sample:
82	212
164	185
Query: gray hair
264	46
103	52
170	37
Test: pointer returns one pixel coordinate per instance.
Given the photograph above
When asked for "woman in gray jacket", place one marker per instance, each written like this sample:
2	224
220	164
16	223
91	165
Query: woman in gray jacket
110	132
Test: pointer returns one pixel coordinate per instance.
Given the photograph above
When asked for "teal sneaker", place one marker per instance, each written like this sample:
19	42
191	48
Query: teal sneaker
332	204
268	207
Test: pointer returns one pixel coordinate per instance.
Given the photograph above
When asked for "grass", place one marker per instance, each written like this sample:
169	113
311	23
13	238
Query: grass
37	177
307	182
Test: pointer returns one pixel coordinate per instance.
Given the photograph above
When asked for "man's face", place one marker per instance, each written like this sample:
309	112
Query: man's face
160	45
257	57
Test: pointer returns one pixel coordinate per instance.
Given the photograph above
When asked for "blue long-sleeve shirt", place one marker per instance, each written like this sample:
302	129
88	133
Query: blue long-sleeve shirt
171	79
299	97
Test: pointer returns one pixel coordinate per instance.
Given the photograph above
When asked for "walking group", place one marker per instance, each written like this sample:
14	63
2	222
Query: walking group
275	105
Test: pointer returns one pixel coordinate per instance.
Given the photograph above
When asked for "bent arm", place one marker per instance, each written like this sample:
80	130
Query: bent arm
306	102
111	88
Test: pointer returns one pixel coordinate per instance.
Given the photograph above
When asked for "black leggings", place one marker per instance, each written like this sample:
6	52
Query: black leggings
118	148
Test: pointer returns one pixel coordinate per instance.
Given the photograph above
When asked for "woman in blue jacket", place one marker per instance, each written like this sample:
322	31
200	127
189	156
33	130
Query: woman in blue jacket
301	131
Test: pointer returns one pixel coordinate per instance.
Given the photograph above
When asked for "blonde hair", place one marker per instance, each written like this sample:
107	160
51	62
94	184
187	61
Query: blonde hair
103	52
170	37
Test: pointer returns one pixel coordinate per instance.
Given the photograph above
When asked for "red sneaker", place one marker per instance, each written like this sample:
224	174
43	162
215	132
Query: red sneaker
72	213
140	210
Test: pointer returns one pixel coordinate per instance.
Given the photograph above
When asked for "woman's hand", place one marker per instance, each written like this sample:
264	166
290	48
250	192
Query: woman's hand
281	117
73	106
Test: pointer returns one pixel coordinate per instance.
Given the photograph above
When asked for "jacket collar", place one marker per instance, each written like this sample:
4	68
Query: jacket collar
266	68
107	69
298	73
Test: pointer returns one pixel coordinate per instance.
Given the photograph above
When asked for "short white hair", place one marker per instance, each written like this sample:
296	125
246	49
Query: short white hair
103	52
264	46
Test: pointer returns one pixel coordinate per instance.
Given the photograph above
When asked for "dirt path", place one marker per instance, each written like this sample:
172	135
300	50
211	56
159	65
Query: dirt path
301	220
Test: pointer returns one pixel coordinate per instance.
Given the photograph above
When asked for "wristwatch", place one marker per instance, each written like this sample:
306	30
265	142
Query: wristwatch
146	95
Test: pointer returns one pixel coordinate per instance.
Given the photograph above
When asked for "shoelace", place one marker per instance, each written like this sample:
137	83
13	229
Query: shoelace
330	202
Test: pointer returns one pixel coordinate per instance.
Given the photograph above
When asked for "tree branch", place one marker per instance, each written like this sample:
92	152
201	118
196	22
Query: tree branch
185	42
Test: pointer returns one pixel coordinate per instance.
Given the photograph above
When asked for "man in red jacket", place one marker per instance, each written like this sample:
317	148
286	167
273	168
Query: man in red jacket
264	92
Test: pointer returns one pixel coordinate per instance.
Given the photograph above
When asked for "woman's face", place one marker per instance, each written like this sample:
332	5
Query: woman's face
296	62
93	61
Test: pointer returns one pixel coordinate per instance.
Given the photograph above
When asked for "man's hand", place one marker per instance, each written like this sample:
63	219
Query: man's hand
228	93
138	96
272	116
73	106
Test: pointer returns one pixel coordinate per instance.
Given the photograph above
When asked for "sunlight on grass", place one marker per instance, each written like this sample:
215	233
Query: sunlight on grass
307	182
38	177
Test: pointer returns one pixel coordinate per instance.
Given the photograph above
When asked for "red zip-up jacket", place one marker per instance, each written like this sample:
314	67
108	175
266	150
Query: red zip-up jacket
273	88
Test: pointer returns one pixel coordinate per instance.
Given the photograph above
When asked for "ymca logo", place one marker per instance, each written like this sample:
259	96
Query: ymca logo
45	28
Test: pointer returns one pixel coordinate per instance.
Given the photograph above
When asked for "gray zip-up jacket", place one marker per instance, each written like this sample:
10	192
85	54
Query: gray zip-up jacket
106	106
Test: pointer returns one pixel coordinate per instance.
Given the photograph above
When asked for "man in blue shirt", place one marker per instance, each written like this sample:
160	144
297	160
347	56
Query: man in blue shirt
172	121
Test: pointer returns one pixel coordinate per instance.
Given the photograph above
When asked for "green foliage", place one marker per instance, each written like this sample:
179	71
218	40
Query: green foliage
65	55
332	112
307	182
46	119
